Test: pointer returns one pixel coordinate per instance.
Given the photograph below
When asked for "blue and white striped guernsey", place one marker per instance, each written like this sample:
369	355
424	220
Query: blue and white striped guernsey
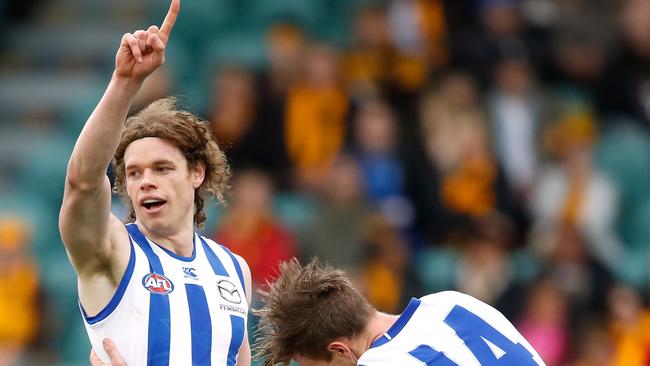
172	310
450	329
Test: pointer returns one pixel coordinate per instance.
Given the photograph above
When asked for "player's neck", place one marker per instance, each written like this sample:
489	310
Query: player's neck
179	241
378	325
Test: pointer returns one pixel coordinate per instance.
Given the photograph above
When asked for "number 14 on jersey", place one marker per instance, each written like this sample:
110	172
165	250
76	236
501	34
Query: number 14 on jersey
488	345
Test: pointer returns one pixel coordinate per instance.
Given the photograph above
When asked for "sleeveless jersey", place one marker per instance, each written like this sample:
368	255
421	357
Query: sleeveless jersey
172	310
450	329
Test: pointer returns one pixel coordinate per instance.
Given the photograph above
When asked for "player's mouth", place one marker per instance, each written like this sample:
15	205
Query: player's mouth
152	205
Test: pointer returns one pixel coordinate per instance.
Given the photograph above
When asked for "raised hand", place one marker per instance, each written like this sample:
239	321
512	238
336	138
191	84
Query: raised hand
142	52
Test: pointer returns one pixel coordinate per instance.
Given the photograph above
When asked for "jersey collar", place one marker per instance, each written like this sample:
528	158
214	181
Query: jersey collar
399	324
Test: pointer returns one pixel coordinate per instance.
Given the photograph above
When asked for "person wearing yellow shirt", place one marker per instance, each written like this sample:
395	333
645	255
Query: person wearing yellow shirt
18	291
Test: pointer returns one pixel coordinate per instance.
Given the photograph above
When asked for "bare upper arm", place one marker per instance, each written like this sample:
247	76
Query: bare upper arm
244	356
96	240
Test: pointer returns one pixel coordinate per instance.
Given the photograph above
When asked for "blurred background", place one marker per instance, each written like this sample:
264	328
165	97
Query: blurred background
496	147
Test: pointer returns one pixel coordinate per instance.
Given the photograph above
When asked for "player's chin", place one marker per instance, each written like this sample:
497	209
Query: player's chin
158	224
153	218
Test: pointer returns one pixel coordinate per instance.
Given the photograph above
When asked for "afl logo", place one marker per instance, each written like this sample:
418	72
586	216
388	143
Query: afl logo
157	284
229	292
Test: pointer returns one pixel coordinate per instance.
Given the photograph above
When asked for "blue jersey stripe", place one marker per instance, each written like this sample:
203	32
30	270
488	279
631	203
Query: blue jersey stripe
215	263
154	261
237	268
201	325
237	337
431	357
159	314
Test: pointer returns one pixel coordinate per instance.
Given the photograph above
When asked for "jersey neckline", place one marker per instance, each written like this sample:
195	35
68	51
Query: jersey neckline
399	323
169	252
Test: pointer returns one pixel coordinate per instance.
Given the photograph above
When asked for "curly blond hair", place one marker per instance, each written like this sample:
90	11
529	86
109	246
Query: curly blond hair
191	135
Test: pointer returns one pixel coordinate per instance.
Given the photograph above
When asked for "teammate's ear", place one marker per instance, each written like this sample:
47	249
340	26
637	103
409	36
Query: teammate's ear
198	174
338	348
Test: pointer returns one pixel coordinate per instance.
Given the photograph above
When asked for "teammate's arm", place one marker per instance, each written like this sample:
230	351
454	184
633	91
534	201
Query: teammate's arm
244	358
96	242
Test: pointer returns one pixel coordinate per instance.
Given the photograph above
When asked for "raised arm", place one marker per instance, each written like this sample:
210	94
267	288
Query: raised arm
96	240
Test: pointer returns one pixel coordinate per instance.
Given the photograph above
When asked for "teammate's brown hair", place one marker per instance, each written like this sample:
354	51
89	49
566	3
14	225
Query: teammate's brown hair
191	135
305	309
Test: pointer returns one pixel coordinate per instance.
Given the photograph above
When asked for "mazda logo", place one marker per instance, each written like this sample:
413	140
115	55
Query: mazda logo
229	292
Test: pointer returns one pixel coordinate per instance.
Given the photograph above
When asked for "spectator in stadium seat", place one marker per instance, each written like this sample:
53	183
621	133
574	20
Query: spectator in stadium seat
572	268
459	178
545	322
250	228
387	279
419	30
594	346
629	322
19	283
317	107
366	63
233	115
515	109
376	135
336	232
574	192
485	269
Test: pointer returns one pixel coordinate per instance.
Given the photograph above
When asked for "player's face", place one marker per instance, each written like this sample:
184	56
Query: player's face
160	184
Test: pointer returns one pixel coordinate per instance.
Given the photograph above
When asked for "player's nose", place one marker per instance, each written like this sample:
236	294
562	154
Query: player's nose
148	180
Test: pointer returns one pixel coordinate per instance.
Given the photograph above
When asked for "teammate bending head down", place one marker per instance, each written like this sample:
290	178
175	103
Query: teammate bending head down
313	315
164	294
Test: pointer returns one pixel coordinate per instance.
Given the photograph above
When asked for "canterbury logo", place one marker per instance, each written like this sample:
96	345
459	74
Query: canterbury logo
189	271
229	292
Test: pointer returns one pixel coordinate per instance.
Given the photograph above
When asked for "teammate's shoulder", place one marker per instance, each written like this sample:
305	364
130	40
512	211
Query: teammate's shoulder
450	296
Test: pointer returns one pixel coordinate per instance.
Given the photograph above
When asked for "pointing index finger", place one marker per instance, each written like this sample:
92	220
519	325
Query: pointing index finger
170	19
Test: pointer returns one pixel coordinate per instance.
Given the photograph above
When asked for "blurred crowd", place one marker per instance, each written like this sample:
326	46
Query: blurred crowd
496	147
